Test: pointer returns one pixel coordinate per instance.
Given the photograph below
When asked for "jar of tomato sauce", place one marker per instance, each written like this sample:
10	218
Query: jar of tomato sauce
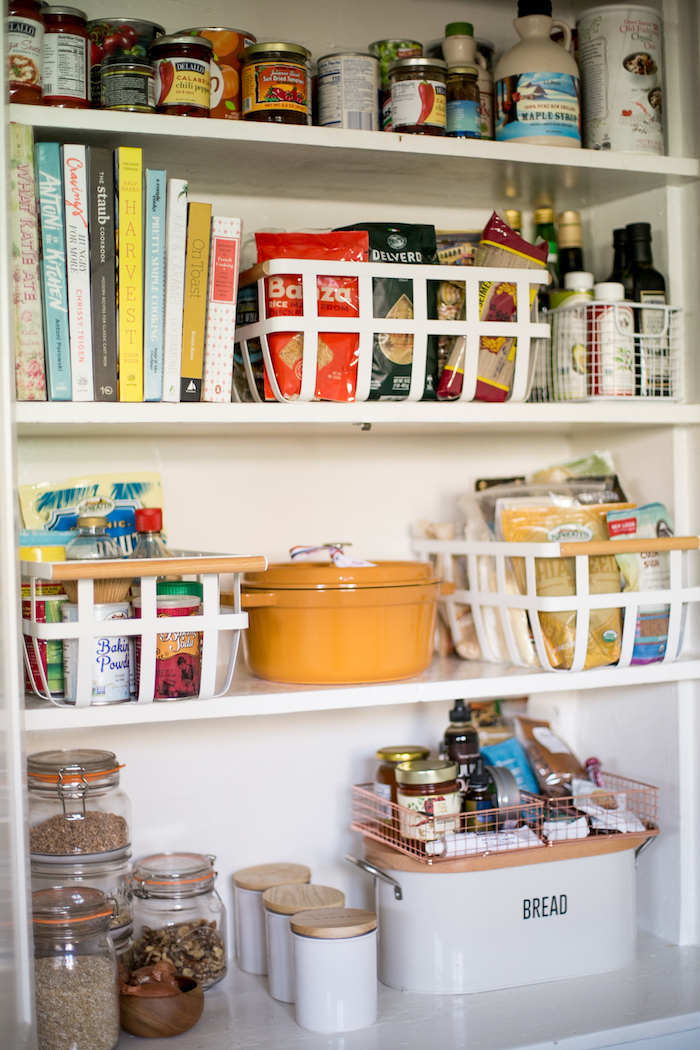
276	81
418	96
66	58
182	65
24	35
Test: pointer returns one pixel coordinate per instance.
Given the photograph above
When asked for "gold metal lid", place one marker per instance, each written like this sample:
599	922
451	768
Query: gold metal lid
569	233
287	49
182	38
292	898
402	752
463	69
262	877
92	521
514	219
543	215
432	771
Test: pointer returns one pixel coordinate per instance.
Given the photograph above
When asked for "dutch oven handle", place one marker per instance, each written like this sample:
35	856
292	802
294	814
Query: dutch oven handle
250	599
377	872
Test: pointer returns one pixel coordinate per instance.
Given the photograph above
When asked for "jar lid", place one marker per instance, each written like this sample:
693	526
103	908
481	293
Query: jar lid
334	923
77	764
173	872
459	29
292	898
432	771
321	576
68	904
73	11
402	752
92	521
263	877
471	70
288	49
180	587
76	865
417	64
182	38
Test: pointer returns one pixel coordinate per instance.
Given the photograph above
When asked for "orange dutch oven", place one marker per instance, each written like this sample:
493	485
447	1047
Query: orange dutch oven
317	624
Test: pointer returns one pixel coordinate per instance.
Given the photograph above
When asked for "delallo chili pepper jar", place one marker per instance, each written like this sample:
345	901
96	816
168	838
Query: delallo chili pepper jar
24	42
66	58
277	83
418	96
182	66
229	46
125	38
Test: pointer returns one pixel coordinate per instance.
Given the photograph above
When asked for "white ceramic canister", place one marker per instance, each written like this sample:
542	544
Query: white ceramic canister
280	903
249	884
335	966
348	91
611	349
620	58
113	674
536	83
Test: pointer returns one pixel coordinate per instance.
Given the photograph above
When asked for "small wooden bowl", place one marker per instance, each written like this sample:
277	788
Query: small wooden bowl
158	1018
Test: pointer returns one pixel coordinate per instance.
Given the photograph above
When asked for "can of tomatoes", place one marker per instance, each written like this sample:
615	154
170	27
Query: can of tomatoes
348	91
225	91
129	37
388	51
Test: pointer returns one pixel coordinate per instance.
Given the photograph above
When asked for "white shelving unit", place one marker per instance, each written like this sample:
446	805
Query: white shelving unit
264	774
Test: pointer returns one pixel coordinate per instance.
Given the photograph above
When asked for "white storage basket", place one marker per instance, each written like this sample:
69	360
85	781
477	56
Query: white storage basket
603	350
527	331
211	622
501	602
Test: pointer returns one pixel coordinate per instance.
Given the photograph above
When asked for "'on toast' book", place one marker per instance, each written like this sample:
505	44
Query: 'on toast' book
195	312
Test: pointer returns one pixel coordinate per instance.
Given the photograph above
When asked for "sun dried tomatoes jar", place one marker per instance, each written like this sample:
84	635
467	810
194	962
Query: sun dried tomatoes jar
182	66
24	35
66	58
418	96
276	83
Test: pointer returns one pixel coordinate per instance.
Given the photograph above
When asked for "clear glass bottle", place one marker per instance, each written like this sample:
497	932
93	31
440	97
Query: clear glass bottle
75	970
178	915
149	525
92	541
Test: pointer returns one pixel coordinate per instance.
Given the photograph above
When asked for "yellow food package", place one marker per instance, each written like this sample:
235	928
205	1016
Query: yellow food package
523	522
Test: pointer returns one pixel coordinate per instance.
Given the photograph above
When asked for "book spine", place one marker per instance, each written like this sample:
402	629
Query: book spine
195	312
78	269
175	247
103	272
54	284
154	286
30	374
221	308
129	182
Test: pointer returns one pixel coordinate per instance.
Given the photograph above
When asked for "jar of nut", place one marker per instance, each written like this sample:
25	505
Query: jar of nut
179	916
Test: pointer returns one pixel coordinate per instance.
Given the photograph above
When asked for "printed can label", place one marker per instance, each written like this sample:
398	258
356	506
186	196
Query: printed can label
486	108
178	654
464	119
418	103
183	82
536	104
65	66
430	816
274	85
25	51
383	809
113	660
348	89
47	610
128	90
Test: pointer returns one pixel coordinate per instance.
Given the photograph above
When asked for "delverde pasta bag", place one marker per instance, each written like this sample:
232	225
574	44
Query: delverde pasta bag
336	372
536	521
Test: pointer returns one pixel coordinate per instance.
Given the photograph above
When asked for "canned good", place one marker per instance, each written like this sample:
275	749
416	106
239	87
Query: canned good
348	91
24	50
128	84
225	92
620	59
128	37
388	51
182	66
418	96
113	661
178	653
277	83
65	58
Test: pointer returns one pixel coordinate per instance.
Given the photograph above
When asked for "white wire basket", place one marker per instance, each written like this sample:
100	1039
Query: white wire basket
610	350
501	614
212	622
524	327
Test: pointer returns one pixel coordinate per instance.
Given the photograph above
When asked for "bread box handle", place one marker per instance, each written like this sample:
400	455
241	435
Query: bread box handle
377	872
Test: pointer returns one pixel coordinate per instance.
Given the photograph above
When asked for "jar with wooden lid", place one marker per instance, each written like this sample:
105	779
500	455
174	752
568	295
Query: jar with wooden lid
418	96
335	969
66	58
249	885
428	794
24	47
385	774
280	903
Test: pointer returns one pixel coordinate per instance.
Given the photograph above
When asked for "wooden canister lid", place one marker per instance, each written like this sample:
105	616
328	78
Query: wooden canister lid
290	899
334	923
263	876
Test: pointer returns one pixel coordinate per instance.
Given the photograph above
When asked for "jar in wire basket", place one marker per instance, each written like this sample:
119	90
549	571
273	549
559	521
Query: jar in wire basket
179	916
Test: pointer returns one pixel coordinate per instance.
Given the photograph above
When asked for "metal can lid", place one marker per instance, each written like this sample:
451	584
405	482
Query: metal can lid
72	11
418	64
256	50
348	54
141	25
182	38
426	771
402	752
471	70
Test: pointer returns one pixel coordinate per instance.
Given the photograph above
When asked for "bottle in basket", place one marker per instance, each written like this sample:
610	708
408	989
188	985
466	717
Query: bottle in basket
610	343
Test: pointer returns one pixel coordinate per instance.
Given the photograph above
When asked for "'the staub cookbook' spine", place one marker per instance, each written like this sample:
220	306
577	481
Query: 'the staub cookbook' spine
154	285
30	375
54	284
78	267
103	272
195	312
129	189
221	308
175	247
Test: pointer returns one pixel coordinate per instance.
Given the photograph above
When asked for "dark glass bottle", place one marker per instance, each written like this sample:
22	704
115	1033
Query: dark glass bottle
569	244
648	286
545	231
620	272
461	741
478	800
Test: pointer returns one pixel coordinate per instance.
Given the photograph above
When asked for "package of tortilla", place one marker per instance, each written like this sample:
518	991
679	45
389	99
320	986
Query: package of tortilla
336	372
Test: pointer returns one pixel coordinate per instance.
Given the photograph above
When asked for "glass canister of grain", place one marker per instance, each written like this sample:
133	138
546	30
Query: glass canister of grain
75	970
76	805
178	915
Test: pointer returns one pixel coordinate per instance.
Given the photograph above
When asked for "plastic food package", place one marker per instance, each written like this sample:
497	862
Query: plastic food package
593	464
511	754
458	621
584	492
552	761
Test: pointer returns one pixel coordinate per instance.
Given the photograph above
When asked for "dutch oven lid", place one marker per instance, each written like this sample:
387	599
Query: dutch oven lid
322	576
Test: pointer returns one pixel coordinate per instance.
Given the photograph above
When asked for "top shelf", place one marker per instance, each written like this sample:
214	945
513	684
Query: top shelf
276	160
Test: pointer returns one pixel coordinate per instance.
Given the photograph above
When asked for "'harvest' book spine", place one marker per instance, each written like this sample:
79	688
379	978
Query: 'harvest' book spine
129	189
78	267
175	246
103	271
154	285
195	312
54	284
221	308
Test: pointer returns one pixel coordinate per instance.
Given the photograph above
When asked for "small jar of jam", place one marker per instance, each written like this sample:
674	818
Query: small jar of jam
427	790
418	96
182	66
24	43
66	58
276	82
385	773
463	108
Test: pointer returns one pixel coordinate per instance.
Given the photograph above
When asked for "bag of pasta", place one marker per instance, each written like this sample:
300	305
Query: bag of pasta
537	521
